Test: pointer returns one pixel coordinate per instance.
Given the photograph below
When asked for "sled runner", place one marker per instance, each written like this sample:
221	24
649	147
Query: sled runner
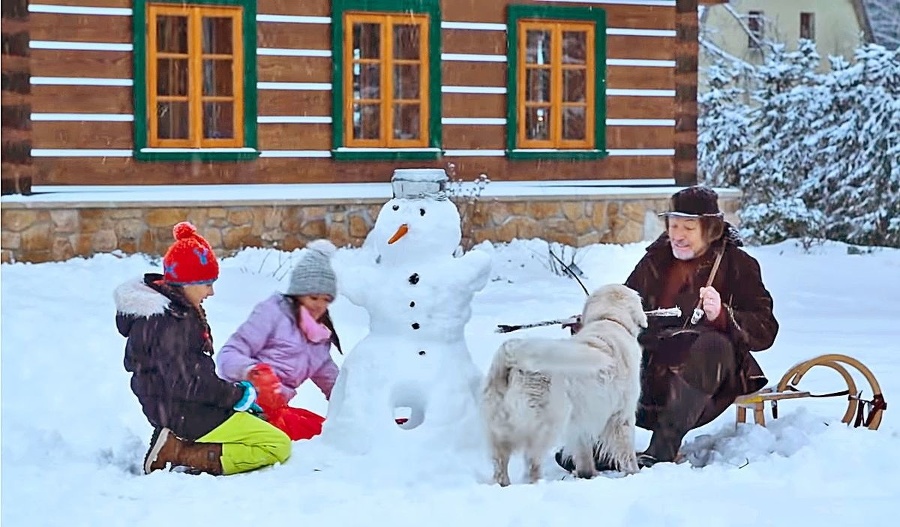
861	412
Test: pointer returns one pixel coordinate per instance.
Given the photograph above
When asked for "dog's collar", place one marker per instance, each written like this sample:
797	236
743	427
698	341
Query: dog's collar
619	322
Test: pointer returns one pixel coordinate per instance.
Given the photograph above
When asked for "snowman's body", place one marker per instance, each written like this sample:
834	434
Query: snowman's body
414	357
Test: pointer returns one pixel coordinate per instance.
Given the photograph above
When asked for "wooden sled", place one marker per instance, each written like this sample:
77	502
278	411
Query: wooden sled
861	412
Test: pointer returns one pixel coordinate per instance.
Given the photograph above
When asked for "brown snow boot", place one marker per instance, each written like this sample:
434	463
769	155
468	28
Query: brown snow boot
673	422
166	448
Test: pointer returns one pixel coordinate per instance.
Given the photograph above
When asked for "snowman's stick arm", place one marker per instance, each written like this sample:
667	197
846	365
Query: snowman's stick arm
506	328
576	319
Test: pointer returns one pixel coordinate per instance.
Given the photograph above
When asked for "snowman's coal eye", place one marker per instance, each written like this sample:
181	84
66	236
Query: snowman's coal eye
396	207
421	212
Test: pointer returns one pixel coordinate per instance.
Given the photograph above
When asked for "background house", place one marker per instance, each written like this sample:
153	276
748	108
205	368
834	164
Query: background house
738	28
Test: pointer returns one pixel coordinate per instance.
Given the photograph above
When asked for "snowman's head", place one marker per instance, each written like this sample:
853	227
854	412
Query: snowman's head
415	229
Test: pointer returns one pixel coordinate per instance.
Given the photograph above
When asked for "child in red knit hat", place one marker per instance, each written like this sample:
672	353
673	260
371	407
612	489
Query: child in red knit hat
190	260
200	421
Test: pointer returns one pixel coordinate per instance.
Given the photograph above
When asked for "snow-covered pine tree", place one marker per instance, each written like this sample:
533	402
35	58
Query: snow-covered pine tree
788	100
722	128
884	16
857	182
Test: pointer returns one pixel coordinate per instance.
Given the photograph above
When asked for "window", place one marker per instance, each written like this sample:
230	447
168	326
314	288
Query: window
195	81
556	84
808	26
387	83
386	58
755	26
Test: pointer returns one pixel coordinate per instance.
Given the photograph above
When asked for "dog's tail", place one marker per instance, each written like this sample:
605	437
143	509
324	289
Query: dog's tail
497	378
558	356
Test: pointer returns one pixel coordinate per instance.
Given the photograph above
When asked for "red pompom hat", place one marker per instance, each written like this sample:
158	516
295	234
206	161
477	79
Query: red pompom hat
190	260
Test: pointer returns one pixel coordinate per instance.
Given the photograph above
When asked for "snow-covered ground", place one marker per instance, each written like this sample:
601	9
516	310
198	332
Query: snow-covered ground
73	434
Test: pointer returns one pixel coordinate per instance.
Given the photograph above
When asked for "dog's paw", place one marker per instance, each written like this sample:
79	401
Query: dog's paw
585	474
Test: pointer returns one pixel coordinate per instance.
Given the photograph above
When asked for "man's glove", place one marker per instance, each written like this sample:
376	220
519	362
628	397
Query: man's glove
268	387
247	402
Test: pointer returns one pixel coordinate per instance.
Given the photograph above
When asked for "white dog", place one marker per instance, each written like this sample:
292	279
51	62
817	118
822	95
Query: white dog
584	388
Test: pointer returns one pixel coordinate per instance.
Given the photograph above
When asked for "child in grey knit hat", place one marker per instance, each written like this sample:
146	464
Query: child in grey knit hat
313	273
287	340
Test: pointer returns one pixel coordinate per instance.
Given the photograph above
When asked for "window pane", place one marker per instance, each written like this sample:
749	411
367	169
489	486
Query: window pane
573	125
172	120
366	81
218	120
406	121
217	35
406	41
537	85
755	25
808	26
172	77
574	85
171	34
366	121
537	123
217	77
574	47
537	46
366	41
406	82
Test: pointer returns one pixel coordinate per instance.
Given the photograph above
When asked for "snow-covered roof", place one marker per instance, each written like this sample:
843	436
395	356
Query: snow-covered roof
291	194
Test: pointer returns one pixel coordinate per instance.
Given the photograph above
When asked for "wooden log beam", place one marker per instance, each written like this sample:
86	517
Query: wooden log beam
15	114
686	64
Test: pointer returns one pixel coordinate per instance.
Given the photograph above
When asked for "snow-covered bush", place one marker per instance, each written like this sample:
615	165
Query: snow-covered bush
466	197
781	219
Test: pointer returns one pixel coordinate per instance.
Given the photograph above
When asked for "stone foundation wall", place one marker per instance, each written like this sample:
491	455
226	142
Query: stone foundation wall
36	231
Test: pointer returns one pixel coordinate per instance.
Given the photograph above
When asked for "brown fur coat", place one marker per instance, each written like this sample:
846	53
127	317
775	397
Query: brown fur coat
750	323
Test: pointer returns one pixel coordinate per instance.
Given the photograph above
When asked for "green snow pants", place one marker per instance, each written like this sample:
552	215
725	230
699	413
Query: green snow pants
248	443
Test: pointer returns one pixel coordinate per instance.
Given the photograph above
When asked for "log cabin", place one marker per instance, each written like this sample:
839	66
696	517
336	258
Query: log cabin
146	93
281	91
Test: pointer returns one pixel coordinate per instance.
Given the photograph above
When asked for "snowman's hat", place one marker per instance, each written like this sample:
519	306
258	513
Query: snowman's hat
416	183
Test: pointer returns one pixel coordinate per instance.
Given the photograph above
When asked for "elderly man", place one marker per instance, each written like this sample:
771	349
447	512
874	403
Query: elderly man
695	366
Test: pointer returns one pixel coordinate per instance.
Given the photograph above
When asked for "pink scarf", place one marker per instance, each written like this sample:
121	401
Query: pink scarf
312	329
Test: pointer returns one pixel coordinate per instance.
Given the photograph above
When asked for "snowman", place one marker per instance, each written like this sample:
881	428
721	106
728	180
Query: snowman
411	379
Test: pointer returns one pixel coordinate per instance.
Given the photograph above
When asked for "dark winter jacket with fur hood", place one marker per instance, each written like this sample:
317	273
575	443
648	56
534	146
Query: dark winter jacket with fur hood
750	323
169	354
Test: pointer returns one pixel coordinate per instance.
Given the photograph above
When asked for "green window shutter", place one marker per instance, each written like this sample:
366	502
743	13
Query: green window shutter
431	8
248	150
556	14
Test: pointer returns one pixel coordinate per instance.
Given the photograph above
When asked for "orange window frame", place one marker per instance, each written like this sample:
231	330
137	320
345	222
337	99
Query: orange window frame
195	97
556	30
386	62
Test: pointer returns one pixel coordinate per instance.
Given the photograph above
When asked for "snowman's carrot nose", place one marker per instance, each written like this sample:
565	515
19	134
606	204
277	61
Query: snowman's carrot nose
401	231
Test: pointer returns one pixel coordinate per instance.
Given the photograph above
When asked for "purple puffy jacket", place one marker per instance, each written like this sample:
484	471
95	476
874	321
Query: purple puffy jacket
271	335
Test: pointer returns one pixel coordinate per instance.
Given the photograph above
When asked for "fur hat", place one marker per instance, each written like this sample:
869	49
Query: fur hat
313	274
190	260
694	202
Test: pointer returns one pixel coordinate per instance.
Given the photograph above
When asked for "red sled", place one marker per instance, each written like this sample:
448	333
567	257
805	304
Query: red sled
297	423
